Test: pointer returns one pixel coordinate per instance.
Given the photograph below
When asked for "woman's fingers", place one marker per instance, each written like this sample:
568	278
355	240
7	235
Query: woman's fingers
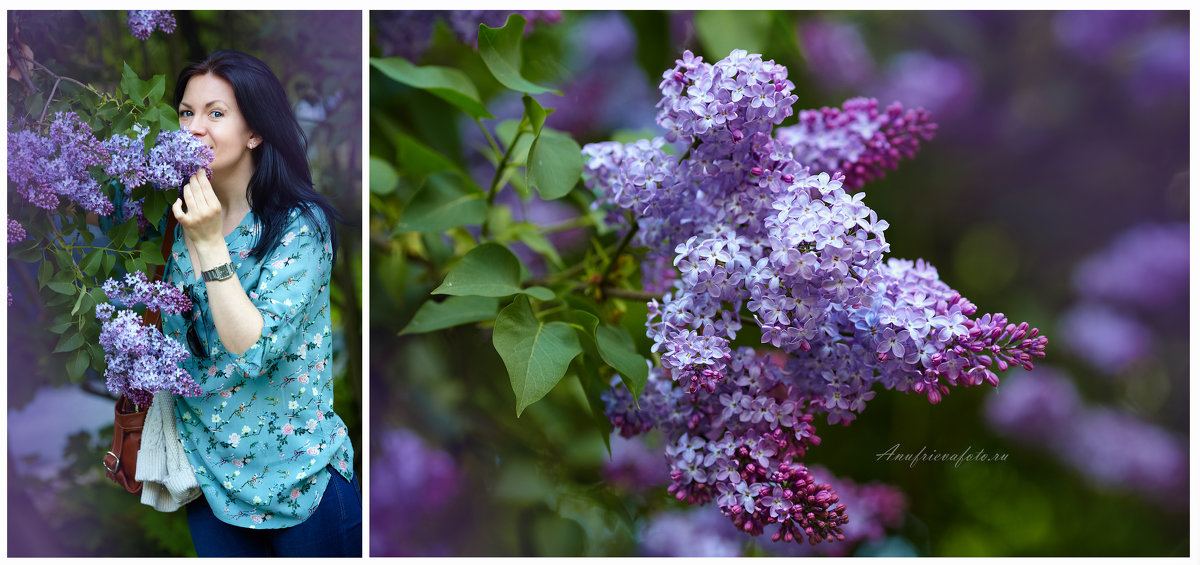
177	208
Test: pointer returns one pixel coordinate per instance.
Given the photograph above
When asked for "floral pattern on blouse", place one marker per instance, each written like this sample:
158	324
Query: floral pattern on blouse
261	435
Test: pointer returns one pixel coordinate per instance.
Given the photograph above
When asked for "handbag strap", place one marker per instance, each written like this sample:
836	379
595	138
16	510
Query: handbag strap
153	317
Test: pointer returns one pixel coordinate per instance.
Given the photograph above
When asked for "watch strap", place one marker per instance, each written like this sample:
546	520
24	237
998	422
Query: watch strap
218	273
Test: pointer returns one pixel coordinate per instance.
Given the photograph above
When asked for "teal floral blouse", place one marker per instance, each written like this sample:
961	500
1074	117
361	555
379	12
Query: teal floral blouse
261	435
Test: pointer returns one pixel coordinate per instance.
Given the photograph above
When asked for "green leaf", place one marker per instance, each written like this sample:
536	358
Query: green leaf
451	85
110	261
158	85
61	324
69	342
535	353
45	272
555	164
443	202
417	160
34	104
500	49
91	262
132	86
77	363
97	354
488	270
617	349
530	235
453	311
124	235
383	177
156	204
64	288
168	118
721	32
151	252
535	113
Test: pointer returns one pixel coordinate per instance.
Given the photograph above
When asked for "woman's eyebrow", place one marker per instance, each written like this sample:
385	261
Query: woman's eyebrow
209	105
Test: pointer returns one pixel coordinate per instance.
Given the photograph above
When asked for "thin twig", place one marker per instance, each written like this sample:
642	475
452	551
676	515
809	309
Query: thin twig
612	261
496	179
627	294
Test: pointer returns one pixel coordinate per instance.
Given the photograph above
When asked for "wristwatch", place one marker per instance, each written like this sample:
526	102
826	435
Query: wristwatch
219	273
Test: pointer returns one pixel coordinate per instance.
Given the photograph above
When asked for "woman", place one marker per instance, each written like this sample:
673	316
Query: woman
272	458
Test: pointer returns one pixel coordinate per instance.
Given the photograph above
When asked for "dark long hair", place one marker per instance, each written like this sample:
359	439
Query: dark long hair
282	180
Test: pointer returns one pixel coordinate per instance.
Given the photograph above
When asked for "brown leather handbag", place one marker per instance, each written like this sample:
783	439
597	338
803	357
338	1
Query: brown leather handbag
120	463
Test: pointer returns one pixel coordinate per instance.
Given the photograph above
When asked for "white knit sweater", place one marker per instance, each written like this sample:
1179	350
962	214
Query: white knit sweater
168	482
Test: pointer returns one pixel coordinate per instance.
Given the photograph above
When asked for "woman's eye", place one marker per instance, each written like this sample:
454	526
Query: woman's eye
217	114
185	113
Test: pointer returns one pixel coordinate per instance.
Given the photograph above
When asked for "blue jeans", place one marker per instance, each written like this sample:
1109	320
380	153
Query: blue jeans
334	530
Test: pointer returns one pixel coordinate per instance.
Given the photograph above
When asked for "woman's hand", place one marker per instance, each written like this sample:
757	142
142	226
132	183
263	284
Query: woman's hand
203	222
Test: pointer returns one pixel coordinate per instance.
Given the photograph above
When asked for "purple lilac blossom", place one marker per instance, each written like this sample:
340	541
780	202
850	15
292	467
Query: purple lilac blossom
1106	338
405	33
634	465
1161	65
1112	448
45	168
859	140
875	506
1033	407
159	296
176	156
1115	449
417	480
143	22
16	233
836	53
141	360
942	86
748	224
690	533
608	90
1093	36
1145	267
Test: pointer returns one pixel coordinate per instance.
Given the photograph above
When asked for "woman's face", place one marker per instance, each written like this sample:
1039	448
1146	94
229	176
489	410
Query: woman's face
209	109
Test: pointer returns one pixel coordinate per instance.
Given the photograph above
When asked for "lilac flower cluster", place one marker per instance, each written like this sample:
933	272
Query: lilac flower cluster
634	465
1105	337
420	481
750	470
761	226
1146	267
158	296
1112	448
859	139
142	23
175	156
690	533
16	232
141	360
45	168
877	507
